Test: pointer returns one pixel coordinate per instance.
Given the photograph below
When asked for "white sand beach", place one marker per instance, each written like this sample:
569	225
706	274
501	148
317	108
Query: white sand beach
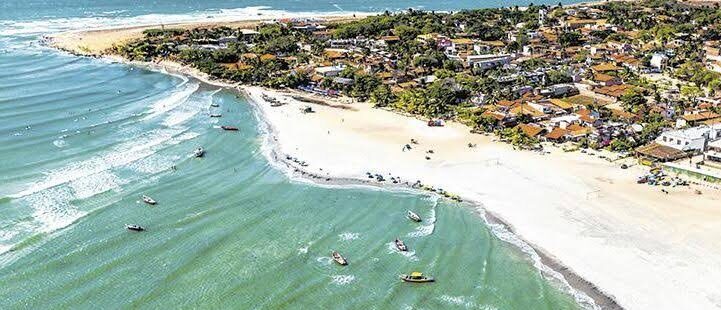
647	249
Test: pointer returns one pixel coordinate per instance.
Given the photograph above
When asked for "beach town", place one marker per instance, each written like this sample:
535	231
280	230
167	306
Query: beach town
591	131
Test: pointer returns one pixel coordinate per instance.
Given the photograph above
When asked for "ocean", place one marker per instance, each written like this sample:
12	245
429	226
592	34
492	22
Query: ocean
83	139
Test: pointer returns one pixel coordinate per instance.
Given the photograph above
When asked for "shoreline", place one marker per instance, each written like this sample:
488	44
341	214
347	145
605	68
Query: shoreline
609	185
573	282
571	279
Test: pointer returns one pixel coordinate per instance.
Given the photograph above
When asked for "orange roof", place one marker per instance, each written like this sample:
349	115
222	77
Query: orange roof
249	55
600	77
462	41
556	133
576	129
606	67
506	103
530	130
498	116
661	152
265	57
527	110
562	104
334	53
613	91
700	116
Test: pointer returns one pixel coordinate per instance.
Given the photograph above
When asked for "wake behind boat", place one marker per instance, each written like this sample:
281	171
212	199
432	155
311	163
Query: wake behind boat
199	152
416	277
148	200
339	258
134	227
413	216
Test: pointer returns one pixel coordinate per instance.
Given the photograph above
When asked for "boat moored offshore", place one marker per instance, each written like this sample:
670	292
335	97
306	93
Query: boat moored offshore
339	258
416	277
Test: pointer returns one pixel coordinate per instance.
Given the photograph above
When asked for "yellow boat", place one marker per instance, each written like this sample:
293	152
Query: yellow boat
416	277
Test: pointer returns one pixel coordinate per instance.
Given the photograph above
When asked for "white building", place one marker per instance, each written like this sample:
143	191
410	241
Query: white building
659	61
488	61
330	71
692	139
714	151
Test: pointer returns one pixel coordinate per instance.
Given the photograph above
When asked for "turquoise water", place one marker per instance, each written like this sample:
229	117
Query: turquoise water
83	139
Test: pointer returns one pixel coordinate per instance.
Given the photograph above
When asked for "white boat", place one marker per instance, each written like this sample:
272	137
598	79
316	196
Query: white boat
148	200
413	217
199	152
338	258
400	245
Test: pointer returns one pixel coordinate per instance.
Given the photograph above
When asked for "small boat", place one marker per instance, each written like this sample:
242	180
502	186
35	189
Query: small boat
134	227
216	115
214	105
416	277
400	245
413	217
338	258
199	152
148	200
229	128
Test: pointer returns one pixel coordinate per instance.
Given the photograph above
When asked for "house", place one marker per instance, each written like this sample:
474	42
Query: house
461	45
698	117
329	71
532	131
606	67
690	140
658	61
606	80
557	134
488	61
658	152
713	153
559	90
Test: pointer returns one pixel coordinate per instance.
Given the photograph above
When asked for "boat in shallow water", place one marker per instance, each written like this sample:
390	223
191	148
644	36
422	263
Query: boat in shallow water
416	277
338	258
134	227
400	245
199	152
148	200
229	128
413	216
216	115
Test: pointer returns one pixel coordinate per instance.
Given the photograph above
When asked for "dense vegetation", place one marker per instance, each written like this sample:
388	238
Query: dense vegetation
281	55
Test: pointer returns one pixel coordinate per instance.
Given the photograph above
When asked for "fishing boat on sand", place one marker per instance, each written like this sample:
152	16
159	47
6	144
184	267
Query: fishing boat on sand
199	152
134	227
416	277
400	245
413	216
339	258
148	200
